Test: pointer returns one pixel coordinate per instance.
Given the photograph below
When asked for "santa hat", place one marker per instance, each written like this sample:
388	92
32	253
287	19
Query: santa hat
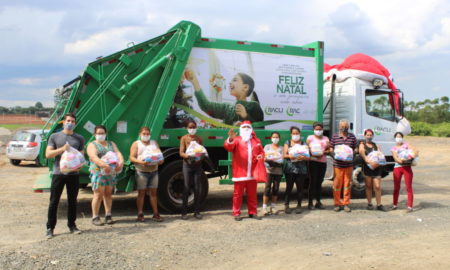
246	123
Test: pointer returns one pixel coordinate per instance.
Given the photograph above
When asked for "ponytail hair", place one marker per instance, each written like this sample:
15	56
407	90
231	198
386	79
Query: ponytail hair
246	79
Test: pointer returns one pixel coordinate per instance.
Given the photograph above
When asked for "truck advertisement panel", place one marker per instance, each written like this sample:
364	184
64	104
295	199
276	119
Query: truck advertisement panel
221	88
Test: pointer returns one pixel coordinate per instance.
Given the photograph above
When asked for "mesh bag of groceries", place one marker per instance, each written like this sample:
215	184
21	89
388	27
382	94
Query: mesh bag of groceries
299	150
196	151
376	157
112	160
71	160
343	152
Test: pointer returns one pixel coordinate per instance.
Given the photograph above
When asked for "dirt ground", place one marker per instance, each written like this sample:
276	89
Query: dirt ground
319	239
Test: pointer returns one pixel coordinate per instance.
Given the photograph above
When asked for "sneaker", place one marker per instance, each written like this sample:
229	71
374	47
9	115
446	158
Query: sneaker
49	234
237	218
394	207
409	210
347	209
381	208
337	208
287	210
97	222
74	230
369	206
198	215
157	218
298	209
109	220
310	206
319	205
254	216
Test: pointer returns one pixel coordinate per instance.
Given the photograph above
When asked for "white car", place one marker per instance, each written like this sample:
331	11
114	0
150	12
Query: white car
25	145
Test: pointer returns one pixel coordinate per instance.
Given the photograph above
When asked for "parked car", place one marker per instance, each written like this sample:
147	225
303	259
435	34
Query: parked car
25	145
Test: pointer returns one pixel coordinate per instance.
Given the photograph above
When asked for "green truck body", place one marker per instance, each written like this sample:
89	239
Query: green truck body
145	85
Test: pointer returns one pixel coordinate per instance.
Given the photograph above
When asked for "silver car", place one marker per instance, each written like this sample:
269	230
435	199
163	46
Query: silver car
25	145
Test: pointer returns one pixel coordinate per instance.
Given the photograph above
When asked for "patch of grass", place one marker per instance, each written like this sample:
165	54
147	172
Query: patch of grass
426	129
14	127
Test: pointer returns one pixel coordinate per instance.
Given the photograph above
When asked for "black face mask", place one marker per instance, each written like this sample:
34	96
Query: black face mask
369	139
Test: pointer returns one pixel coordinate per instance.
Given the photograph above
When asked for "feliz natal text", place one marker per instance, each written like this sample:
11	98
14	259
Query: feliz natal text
290	85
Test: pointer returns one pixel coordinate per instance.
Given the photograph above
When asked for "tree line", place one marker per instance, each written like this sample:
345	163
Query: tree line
38	109
432	111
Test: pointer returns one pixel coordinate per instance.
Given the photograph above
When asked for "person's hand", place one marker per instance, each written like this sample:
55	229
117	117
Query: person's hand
258	157
107	169
373	165
66	147
189	74
241	111
119	167
161	162
231	134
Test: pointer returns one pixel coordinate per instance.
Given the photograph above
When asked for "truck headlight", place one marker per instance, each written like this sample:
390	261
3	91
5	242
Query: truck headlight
377	83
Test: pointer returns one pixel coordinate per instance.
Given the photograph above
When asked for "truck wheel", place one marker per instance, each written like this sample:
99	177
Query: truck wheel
170	188
15	162
359	185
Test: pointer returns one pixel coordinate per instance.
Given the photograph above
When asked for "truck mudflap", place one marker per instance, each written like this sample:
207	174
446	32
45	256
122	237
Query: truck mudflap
42	182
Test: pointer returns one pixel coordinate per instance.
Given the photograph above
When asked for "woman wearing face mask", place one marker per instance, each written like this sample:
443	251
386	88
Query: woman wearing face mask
296	171
373	176
102	185
317	164
146	174
274	173
192	170
402	167
241	87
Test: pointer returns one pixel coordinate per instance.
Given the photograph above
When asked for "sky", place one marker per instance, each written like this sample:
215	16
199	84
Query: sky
46	43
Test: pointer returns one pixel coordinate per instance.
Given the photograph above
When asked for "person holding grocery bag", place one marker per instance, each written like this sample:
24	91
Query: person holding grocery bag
241	87
343	145
146	156
404	155
193	153
274	162
296	154
106	161
373	160
65	143
247	151
319	146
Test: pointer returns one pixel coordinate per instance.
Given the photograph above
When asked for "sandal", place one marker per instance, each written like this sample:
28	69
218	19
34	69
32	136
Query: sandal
140	218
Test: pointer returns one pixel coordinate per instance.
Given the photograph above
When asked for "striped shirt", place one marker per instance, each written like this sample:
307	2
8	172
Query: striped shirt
350	141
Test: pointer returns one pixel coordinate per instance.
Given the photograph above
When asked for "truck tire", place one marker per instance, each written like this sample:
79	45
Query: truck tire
359	184
15	162
170	188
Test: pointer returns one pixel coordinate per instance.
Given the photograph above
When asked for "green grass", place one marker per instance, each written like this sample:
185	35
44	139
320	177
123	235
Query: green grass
425	129
14	127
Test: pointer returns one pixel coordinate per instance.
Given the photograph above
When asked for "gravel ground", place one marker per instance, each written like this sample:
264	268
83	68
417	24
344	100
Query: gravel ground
319	239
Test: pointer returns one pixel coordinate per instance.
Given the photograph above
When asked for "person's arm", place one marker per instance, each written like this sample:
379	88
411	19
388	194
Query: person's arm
327	147
119	155
362	153
252	110
183	148
162	161
81	146
92	153
415	151
332	145
133	154
214	109
286	151
230	142
52	151
396	158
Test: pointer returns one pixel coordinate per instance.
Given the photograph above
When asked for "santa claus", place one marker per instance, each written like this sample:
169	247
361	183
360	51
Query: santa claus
246	150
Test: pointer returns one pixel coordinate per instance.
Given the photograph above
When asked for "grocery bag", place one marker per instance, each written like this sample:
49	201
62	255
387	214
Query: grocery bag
196	151
343	152
376	157
71	160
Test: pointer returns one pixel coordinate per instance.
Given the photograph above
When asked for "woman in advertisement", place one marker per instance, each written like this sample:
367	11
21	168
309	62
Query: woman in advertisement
241	87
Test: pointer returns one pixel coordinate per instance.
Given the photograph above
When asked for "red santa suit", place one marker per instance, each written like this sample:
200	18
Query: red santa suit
244	158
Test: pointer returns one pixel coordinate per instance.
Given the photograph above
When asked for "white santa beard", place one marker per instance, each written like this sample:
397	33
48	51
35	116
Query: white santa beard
246	134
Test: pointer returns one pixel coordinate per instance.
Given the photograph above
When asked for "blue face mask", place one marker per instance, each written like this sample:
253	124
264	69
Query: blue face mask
69	126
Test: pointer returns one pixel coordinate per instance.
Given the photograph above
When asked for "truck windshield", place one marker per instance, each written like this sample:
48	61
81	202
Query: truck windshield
378	105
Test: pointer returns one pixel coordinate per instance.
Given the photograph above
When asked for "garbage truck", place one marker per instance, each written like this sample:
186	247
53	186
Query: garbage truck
151	84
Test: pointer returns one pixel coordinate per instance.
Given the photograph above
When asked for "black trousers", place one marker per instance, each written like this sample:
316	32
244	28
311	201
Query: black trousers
317	173
272	185
192	175
299	180
72	183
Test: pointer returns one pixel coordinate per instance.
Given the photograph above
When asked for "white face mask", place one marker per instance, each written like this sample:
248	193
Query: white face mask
275	140
100	137
318	132
192	131
145	138
399	140
295	137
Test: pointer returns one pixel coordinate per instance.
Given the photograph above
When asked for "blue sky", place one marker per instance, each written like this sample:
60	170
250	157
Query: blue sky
47	43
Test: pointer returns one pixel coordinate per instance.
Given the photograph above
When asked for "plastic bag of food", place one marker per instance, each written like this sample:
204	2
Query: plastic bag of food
299	150
343	152
274	156
316	149
112	160
405	154
196	151
71	160
376	157
152	154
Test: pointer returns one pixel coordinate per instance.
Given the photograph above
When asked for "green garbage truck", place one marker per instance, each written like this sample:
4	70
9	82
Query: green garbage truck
151	84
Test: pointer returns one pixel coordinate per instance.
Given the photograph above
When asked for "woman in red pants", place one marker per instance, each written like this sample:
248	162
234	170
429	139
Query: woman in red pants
403	154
